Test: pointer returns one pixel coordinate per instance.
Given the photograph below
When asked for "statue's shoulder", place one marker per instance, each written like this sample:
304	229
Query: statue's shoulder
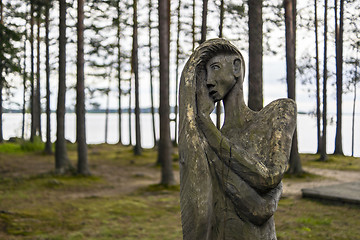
285	107
280	112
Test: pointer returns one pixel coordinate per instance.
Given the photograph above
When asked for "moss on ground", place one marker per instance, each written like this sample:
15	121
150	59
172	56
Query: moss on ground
334	162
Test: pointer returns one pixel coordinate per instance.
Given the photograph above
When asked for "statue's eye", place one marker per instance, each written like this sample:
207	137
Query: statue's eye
215	67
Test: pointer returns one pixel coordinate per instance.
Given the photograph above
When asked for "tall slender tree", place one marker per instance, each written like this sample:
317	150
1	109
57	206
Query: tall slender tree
255	101
32	96
118	35
62	163
38	87
355	80
204	21
323	154
48	146
193	26
137	148
177	70
24	85
339	74
130	112
317	69
9	60
83	167
151	75
221	25
1	69
290	28
164	152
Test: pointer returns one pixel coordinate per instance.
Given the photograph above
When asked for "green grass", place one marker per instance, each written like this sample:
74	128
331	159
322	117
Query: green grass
42	205
298	219
21	147
334	162
144	215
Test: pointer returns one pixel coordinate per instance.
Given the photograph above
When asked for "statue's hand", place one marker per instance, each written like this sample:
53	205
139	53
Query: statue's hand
204	103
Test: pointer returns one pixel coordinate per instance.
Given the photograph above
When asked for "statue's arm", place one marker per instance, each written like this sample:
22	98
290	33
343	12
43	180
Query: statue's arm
254	206
258	208
248	167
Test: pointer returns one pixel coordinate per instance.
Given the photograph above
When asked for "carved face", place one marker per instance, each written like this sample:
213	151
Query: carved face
220	76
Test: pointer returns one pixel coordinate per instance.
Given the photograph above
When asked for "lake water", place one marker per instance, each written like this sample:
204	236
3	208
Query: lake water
95	125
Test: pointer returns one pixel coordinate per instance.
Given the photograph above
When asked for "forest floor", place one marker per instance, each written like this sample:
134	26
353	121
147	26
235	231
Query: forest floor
121	200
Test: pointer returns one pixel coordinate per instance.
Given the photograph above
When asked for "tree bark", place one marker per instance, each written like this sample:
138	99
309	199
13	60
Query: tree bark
323	155
62	163
353	121
130	113
119	69
38	87
255	101
204	20
151	76
339	81
218	104
83	167
32	97
295	167
177	71
318	111
107	109
48	145
137	148
24	85
164	152
356	78
1	73
193	24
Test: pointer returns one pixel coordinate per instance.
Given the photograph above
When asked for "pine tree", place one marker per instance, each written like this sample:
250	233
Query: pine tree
164	152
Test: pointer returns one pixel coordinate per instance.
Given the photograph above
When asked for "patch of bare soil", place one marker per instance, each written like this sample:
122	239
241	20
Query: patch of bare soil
330	177
118	180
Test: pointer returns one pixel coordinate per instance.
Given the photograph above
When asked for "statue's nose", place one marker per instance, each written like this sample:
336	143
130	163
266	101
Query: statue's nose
210	82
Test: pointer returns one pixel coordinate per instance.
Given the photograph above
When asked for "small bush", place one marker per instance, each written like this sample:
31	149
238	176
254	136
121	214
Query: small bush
34	146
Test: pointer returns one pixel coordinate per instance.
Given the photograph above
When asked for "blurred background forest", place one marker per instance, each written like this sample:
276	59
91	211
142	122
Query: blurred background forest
123	59
89	102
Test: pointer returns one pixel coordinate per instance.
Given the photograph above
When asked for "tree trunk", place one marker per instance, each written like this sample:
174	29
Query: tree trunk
353	120
318	112
130	113
119	68
24	85
295	167
356	78
218	104
323	155
204	18
164	152
339	61
62	163
151	75
83	167
32	97
255	101
107	109
1	72
137	149
48	146
177	71
38	92
193	24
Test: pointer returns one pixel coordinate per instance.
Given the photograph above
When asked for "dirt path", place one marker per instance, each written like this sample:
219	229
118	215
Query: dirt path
293	187
125	180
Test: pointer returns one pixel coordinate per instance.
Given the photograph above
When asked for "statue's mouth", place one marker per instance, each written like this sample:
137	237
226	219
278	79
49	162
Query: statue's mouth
212	93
